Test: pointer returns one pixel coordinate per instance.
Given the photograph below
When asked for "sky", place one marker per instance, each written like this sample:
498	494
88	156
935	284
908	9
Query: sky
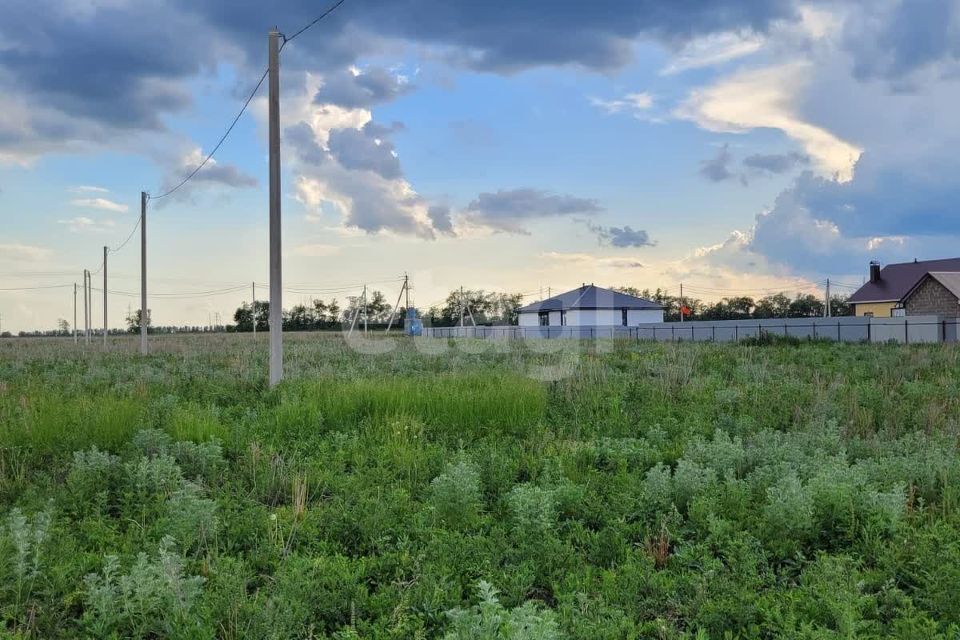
737	147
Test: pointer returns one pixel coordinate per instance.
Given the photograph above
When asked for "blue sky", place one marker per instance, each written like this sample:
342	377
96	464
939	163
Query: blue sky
737	147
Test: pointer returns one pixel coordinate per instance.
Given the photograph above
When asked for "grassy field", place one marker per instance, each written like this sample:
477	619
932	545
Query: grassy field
479	491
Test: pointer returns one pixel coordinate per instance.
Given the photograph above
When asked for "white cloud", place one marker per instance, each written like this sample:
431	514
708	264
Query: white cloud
100	203
18	251
767	98
79	224
89	189
713	49
630	103
588	260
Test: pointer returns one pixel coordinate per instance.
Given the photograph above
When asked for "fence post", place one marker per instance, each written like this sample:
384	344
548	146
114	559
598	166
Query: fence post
906	331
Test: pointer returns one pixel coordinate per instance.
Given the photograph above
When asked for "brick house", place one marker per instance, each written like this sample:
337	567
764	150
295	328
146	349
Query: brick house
885	293
937	293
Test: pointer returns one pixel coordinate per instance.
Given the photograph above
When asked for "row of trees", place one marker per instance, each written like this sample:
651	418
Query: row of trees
490	308
778	305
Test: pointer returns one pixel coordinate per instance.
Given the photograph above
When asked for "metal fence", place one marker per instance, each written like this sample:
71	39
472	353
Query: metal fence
904	330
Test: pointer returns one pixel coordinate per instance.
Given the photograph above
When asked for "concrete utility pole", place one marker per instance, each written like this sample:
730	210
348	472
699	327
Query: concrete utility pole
364	309
827	312
74	313
90	307
681	302
276	285
143	272
85	303
105	297
462	305
253	307
396	307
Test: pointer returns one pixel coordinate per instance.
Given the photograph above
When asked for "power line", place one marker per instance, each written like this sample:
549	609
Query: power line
50	286
124	243
219	143
313	22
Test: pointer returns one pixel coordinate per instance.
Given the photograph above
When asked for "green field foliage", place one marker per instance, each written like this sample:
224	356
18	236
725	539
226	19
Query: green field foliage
479	491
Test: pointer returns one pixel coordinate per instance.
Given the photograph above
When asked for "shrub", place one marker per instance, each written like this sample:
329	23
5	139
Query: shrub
151	443
533	508
200	460
190	519
27	539
489	620
92	476
154	598
455	494
151	479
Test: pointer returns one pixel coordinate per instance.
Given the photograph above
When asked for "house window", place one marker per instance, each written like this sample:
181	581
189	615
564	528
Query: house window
868	314
623	317
544	318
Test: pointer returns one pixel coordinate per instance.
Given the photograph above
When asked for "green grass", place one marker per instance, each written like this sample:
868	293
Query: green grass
610	491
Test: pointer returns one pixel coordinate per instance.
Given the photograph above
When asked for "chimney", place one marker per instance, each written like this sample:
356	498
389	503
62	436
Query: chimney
874	272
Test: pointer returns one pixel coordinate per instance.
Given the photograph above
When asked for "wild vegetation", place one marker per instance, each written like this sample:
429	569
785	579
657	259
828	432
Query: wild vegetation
479	490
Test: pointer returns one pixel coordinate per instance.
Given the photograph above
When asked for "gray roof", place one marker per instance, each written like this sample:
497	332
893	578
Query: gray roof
949	279
897	280
589	297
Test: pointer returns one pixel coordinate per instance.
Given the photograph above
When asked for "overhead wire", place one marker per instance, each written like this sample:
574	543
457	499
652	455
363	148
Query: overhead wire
312	23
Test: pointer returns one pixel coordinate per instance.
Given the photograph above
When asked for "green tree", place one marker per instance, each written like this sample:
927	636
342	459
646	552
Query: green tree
134	322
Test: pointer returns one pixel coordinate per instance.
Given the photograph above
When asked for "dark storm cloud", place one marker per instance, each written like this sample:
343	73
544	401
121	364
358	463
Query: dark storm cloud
123	66
508	210
894	40
886	212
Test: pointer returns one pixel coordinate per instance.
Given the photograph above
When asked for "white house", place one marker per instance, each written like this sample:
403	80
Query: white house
590	306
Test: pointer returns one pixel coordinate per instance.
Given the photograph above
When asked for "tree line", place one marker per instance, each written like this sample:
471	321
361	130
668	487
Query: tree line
778	305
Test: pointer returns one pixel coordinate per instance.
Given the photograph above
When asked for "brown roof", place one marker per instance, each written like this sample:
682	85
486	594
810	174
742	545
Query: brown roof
897	280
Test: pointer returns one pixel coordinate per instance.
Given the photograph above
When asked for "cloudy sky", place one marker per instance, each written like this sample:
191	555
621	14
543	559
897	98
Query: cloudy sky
738	147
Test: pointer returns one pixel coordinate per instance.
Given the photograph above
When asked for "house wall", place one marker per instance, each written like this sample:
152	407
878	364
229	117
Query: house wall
528	319
931	297
878	309
644	316
595	318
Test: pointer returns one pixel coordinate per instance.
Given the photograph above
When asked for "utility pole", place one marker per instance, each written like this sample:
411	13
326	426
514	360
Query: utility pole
105	297
827	312
253	307
396	307
74	313
90	307
85	303
364	309
276	287
681	302
462	304
143	272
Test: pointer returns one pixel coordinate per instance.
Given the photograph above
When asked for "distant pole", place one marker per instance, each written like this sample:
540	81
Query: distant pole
681	302
105	297
406	287
461	305
253	307
90	309
85	303
364	308
276	287
827	312
143	272
396	307
74	313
